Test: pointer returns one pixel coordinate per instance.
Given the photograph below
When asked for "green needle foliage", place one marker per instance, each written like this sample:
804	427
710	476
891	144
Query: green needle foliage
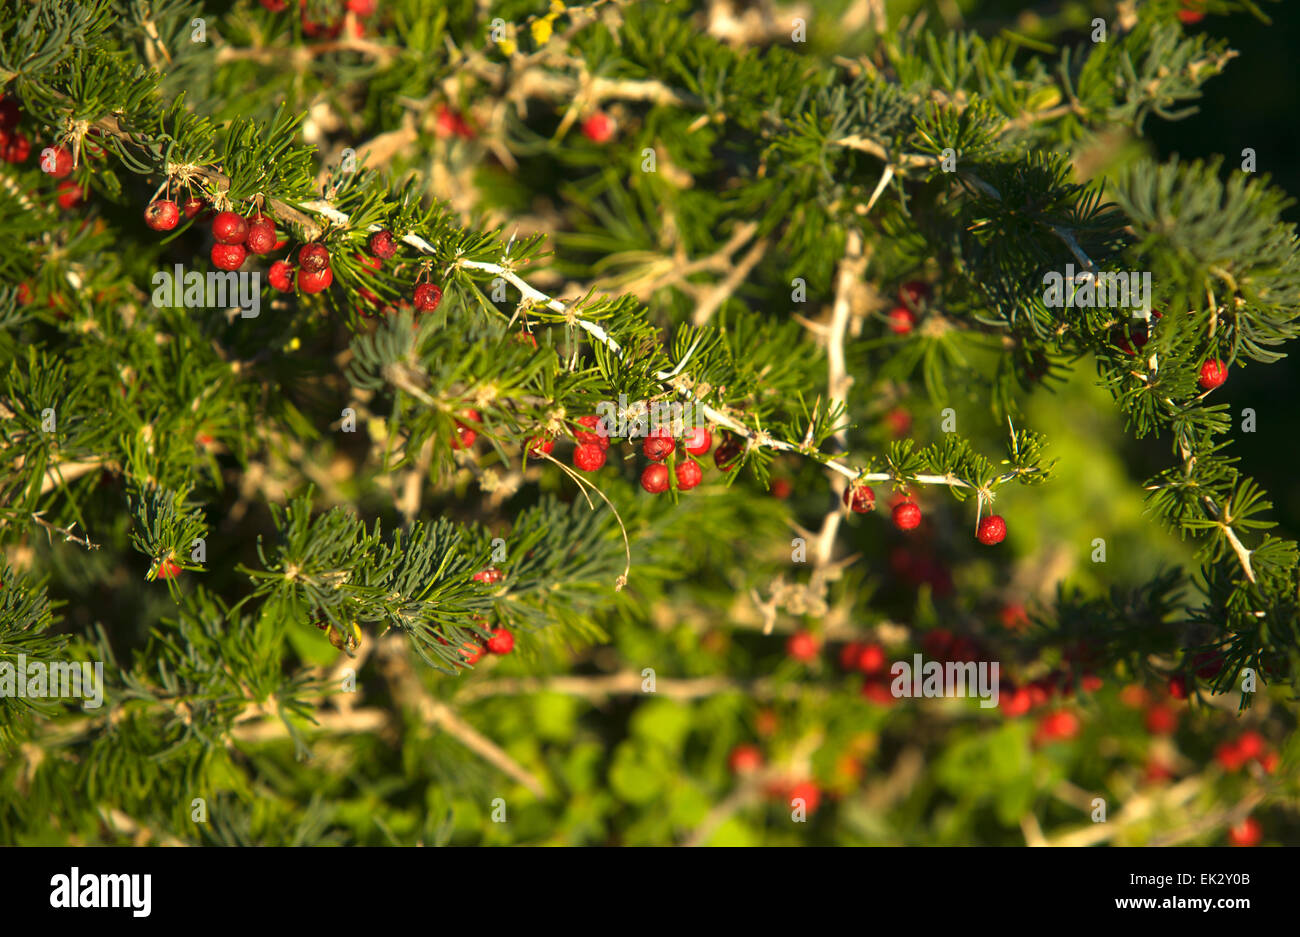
322	485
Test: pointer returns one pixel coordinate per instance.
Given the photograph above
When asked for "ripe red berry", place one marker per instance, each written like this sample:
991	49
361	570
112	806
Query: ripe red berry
689	474
871	659
1178	686
465	436
449	123
992	529
1013	616
314	258
1161	719
1014	701
598	435
168	569
281	276
914	292
427	296
261	237
229	228
808	792
1246	833
310	282
802	646
16	148
162	215
745	759
697	440
1057	726
471	652
1213	374
598	128
655	478
781	488
70	194
362	7
901	320
859	498
228	256
1251	745
501	642
382	244
541	445
658	445
727	455
1229	755
193	206
588	457
907	516
56	161
488	576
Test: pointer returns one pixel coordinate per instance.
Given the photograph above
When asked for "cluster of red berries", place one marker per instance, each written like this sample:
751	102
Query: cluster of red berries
1248	748
913	296
747	759
861	499
56	161
593	443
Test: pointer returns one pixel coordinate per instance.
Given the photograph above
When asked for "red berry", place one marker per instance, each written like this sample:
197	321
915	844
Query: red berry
598	435
1057	726
901	320
850	654
70	194
1014	701
899	422
726	456
471	652
808	792
314	258
802	646
193	206
168	569
1251	745
914	292
261	237
689	474
281	276
598	128
310	282
655	478
1161	719
465	436
382	244
56	161
1246	833
274	6
541	445
992	529
228	256
362	7
1013	617
745	759
1229	756
589	457
488	576
16	149
229	228
162	215
501	642
1178	687
1269	762
658	445
1213	374
781	488
427	296
859	498
907	516
697	440
871	659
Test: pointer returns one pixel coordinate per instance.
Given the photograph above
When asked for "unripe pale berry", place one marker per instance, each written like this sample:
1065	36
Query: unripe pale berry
588	457
655	478
689	474
229	228
162	215
992	529
228	256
